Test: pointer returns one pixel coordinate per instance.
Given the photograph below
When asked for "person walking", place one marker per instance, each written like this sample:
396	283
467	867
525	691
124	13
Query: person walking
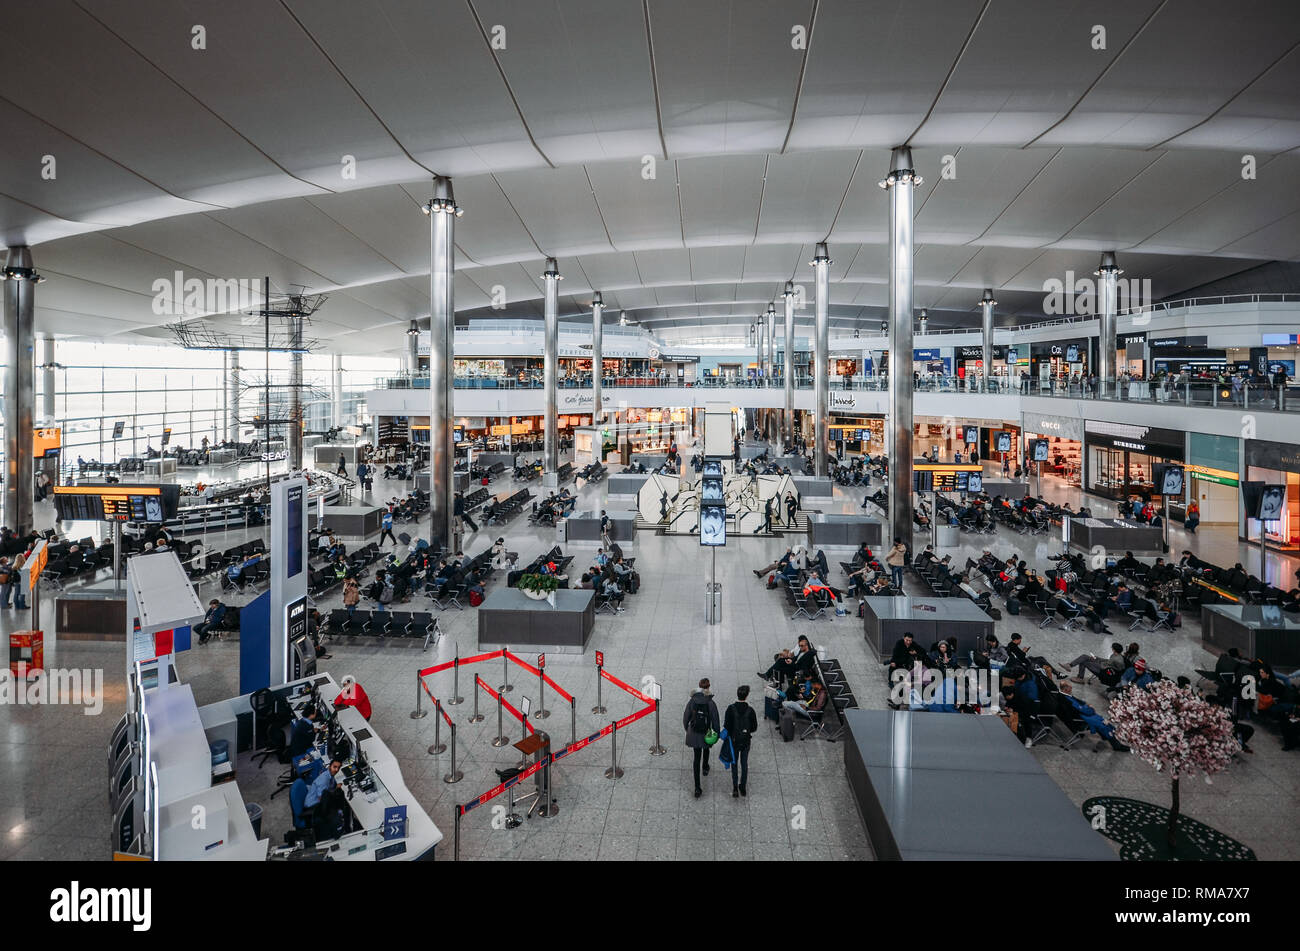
343	465
767	516
740	723
362	470
895	559
699	717
386	522
458	509
791	507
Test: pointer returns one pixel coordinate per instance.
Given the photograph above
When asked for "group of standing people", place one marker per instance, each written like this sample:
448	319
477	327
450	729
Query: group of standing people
705	728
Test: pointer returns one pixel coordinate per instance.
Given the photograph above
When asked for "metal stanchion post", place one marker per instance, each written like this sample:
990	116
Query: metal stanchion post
438	745
614	772
455	855
573	720
500	739
419	712
455	683
658	749
541	713
505	661
599	707
455	775
477	717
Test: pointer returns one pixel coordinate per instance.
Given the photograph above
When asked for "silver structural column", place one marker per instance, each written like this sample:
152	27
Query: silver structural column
597	360
293	434
551	358
336	384
788	371
48	383
232	397
770	356
821	263
413	349
758	347
986	321
1109	273
19	305
899	183
442	211
923	322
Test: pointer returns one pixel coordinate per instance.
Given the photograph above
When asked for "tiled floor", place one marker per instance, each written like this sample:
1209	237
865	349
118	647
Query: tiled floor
52	801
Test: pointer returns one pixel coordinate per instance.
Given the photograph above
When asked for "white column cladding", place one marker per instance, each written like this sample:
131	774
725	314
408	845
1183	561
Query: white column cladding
788	371
821	263
48	379
336	382
597	359
1109	272
19	307
987	303
443	212
900	181
551	381
232	397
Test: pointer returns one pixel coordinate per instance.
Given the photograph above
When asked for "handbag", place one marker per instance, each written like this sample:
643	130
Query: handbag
711	737
1264	701
726	755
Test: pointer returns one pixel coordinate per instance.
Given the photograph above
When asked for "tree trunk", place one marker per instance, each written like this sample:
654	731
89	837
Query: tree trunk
1173	816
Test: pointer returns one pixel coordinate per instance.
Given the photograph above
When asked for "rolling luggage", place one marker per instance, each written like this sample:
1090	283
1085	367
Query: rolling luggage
787	725
771	709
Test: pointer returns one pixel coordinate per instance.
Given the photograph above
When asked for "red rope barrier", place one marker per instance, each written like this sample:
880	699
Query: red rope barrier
437	668
538	672
622	686
445	717
505	705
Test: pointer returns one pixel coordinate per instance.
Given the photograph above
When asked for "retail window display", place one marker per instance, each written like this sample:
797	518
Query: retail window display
1277	465
1119	458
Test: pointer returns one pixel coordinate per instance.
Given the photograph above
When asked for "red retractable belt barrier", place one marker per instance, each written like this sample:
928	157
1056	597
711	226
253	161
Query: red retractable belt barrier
505	705
540	673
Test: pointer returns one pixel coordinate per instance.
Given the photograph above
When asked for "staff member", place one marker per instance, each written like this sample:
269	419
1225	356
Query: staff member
323	783
353	695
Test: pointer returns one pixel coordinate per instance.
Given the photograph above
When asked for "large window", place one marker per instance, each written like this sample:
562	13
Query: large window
149	389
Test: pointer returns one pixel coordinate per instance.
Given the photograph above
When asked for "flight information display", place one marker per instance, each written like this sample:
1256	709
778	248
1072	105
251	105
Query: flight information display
116	503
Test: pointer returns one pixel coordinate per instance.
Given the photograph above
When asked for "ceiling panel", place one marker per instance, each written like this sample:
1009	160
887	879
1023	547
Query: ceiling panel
1189	61
865	215
803	193
720	198
639	212
386	219
871	78
727	72
717	264
579	106
1281	239
558	209
1026	65
777	262
1264	117
983	183
610	270
664	267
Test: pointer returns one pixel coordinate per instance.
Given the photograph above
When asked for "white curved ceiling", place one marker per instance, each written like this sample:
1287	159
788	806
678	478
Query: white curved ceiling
228	161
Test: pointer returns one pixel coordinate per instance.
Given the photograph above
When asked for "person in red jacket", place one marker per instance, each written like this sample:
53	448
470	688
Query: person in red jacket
353	695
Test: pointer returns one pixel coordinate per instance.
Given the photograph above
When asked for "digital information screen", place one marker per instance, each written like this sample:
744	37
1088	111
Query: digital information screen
711	490
1004	442
116	503
1041	449
713	525
294	502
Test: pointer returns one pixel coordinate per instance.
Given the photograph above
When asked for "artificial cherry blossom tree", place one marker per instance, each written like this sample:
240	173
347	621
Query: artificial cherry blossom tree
1176	732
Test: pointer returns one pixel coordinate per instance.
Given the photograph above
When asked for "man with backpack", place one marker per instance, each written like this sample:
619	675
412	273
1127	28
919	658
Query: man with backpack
386	522
381	590
740	724
699	719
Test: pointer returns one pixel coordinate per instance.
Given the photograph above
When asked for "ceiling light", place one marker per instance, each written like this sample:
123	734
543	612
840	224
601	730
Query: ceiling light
413	330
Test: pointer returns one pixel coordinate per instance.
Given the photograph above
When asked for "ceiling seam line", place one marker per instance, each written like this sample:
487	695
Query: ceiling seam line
212	112
360	98
599	214
1127	182
803	69
518	216
1024	188
654	75
1233	98
346	230
506	81
970	35
844	197
762	193
1102	75
1200	204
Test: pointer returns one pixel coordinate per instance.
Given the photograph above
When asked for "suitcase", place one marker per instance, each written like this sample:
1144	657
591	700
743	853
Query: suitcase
787	725
1013	605
771	709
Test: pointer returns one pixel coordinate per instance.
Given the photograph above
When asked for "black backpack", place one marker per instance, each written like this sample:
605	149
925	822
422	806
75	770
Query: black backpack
701	722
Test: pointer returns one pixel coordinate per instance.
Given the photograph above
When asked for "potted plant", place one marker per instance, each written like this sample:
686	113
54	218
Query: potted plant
538	586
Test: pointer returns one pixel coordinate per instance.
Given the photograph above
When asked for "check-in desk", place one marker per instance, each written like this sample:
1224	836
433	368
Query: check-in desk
1256	630
886	619
367	844
1114	535
813	487
832	531
584	528
509	618
354	521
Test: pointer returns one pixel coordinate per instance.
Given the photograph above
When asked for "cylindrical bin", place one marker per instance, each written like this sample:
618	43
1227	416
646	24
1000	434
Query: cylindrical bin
946	536
561	531
713	602
255	817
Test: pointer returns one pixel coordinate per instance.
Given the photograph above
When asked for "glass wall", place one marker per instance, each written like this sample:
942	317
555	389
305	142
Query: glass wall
149	389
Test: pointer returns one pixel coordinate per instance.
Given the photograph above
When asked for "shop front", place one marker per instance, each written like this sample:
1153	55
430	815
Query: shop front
930	362
1275	463
854	435
1118	457
1056	362
1065	445
970	362
1211	478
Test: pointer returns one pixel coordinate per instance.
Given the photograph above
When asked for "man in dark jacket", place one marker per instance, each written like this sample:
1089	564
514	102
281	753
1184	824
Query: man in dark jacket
785	666
700	716
740	723
212	618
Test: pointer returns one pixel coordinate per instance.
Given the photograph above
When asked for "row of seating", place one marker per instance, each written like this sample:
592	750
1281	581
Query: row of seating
507	508
421	624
